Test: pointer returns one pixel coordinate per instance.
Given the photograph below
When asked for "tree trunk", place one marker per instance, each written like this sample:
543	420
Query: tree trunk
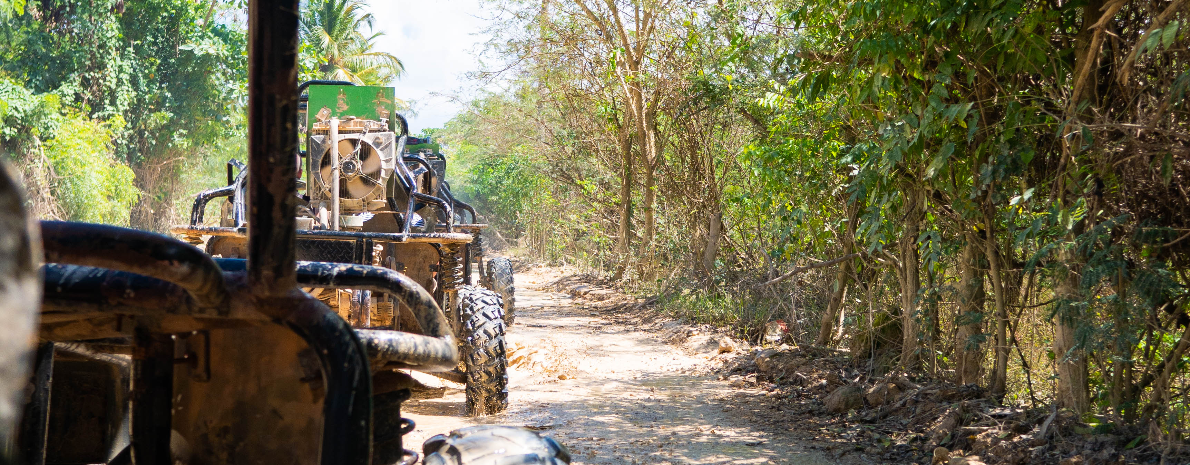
999	381
714	233
910	277
650	154
834	309
623	242
1071	364
969	340
650	198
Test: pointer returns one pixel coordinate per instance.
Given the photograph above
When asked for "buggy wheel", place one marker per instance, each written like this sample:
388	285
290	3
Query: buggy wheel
499	279
485	360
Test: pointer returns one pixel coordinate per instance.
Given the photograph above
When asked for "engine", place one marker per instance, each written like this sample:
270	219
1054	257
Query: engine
351	155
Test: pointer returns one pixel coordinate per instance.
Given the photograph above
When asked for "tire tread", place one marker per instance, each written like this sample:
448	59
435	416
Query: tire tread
485	356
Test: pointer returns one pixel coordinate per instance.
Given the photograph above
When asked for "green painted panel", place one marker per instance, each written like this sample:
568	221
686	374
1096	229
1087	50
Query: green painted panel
363	102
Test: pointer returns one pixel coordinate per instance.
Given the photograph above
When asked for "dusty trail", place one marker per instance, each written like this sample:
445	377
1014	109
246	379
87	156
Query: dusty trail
613	394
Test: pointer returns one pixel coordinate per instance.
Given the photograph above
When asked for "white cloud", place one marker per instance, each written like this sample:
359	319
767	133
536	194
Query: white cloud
438	41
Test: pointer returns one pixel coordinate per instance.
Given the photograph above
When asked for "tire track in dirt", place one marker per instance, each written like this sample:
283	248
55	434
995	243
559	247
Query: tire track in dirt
611	393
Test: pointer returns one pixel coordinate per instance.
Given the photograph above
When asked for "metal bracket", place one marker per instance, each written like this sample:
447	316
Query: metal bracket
194	351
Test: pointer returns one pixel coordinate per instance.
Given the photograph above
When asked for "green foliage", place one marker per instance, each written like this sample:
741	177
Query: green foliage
897	131
8	8
91	184
335	45
87	180
164	78
25	115
505	186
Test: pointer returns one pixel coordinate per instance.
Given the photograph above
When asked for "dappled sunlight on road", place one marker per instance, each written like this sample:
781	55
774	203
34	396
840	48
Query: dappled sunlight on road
612	394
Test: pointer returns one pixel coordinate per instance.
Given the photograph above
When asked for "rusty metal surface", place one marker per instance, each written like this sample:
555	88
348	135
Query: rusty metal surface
87	329
450	278
436	350
341	276
35	427
154	286
426	169
96	353
88	400
272	144
346	411
388	446
439	238
152	397
261	379
139	252
407	349
86	303
420	263
347	408
227	246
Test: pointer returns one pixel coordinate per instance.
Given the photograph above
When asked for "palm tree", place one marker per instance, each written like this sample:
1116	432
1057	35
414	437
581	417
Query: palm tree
333	33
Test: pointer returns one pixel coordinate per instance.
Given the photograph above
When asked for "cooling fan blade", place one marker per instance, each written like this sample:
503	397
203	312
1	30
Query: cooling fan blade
324	167
366	175
324	172
360	173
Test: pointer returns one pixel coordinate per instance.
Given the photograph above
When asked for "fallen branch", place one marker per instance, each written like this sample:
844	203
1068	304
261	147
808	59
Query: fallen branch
811	266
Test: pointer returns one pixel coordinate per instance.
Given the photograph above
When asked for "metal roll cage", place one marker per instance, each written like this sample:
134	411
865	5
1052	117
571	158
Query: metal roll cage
172	286
403	177
91	268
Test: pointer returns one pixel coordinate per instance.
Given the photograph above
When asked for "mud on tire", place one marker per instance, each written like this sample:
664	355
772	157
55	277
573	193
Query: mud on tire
499	279
485	360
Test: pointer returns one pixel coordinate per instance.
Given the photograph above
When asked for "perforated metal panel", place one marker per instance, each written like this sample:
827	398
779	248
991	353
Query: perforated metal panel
337	251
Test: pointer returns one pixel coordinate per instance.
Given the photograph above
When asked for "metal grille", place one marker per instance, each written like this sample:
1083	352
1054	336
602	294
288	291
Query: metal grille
335	251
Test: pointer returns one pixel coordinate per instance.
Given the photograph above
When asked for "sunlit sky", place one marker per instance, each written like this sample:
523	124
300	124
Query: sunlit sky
438	40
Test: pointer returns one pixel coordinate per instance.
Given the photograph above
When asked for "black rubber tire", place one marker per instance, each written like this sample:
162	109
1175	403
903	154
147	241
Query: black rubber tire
494	445
500	280
484	354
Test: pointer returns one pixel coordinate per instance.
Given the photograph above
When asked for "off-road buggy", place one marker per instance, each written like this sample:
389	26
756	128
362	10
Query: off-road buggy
495	273
372	195
151	351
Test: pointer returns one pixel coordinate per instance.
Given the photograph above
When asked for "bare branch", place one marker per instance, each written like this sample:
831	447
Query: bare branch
811	266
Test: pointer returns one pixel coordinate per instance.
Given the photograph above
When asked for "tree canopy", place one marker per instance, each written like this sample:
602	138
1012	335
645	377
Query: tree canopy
989	190
335	39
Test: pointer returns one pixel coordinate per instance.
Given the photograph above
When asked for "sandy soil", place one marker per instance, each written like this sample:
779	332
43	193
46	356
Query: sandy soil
613	393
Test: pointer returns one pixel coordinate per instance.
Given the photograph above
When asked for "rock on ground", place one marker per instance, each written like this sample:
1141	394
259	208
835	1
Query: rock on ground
846	398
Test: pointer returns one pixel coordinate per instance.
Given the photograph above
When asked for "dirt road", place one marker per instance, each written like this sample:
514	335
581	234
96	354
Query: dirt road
613	393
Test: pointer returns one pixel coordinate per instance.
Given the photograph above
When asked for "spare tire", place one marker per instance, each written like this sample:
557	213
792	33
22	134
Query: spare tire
494	445
499	278
483	352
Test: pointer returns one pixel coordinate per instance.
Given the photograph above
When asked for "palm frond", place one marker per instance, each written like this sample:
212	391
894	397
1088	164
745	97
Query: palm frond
334	33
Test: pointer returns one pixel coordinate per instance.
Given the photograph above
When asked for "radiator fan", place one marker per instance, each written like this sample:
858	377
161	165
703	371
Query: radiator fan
366	162
360	169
